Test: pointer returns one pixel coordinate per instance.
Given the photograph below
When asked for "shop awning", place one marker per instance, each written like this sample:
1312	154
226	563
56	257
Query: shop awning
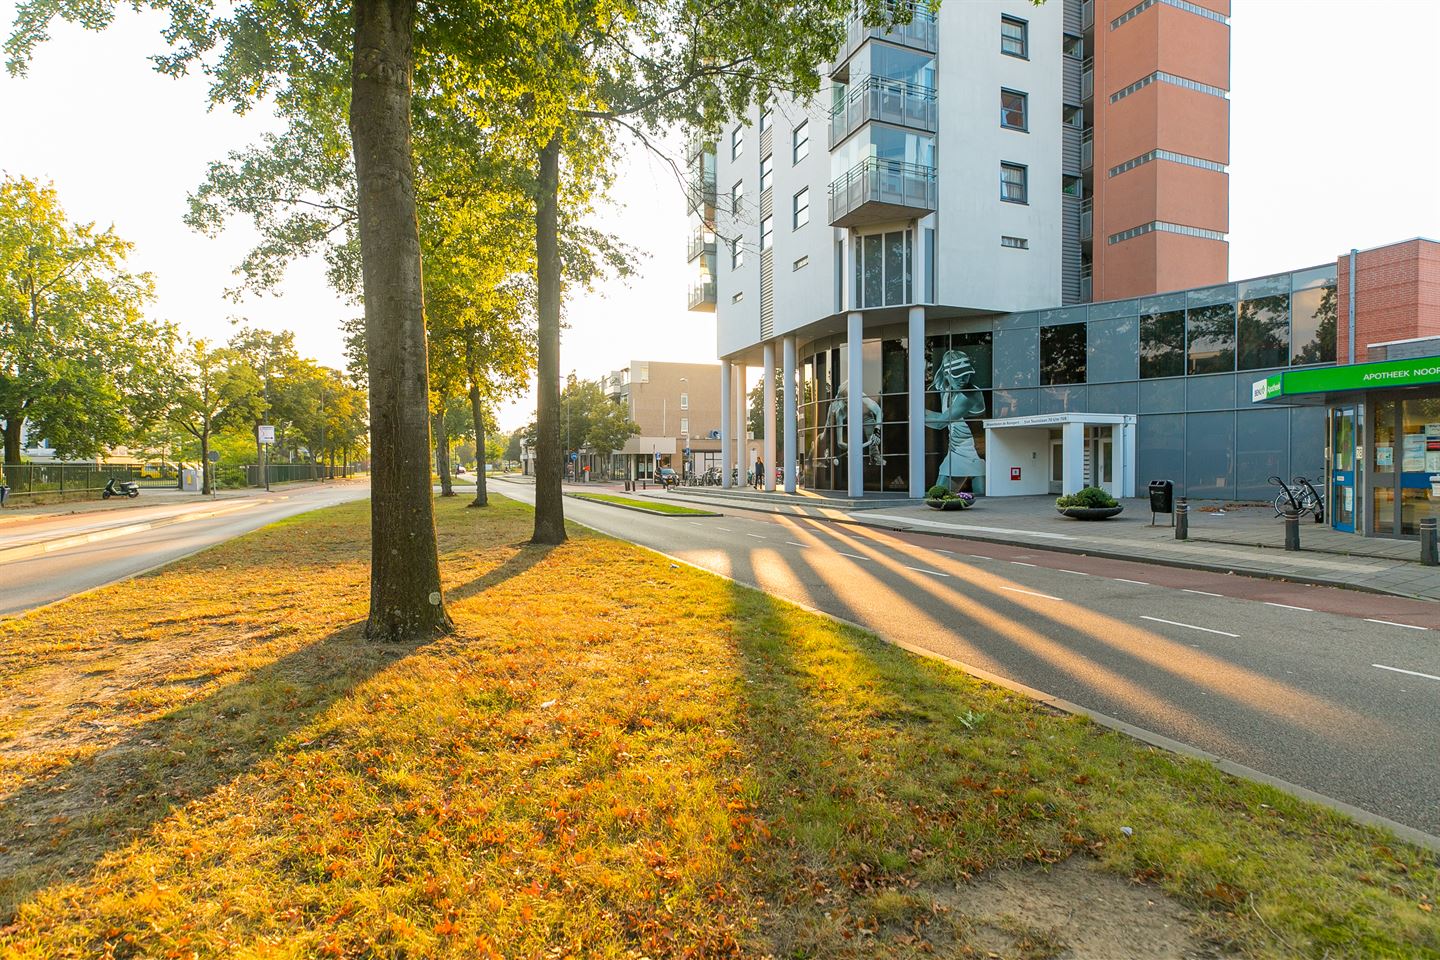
1311	385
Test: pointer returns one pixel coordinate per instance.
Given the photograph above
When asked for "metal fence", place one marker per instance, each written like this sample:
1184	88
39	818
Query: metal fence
29	479
289	472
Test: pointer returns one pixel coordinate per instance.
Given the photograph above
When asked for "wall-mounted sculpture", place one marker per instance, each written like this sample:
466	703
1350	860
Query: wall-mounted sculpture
838	416
960	400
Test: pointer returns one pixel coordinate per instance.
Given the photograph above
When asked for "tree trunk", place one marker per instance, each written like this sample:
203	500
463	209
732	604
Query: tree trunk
14	429
207	482
405	599
482	497
259	456
549	500
442	454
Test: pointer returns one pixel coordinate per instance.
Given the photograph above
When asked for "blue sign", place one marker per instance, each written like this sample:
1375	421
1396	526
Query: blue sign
574	457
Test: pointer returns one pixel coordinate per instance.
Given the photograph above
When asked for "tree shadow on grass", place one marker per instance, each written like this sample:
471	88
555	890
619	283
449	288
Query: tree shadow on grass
64	821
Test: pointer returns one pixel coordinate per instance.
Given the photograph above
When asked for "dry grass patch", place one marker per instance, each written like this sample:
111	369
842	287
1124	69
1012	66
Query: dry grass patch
613	757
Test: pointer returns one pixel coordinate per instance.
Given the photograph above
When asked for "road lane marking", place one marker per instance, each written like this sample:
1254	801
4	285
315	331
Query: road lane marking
933	573
1138	583
1029	593
1392	623
1078	573
794	544
978	556
1203	593
723	529
852	556
756	536
1190	626
943	550
1413	673
1021	563
1288	606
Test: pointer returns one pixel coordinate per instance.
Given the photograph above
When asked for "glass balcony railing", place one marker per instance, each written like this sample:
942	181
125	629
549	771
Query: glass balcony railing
1087	79
702	297
876	190
1087	149
1087	216
919	32
889	101
702	240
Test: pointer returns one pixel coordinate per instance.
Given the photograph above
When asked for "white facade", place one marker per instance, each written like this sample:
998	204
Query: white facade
905	220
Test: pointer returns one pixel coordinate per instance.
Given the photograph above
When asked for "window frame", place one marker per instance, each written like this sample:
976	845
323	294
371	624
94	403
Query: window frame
737	142
1014	243
767	117
1024	25
737	254
767	232
767	172
684	400
800	140
1024	182
797	208
1005	124
737	196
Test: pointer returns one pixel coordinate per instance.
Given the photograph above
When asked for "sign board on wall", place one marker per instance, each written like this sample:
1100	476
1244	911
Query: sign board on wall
266	433
1014	473
1358	376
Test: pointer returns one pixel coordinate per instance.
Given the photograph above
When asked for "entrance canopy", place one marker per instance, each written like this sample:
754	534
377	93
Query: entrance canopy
1313	385
1022	457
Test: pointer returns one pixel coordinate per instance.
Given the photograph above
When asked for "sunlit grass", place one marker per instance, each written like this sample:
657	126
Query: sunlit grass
612	757
653	506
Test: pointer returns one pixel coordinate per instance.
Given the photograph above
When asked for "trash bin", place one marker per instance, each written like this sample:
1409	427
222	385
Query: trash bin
1162	497
4	494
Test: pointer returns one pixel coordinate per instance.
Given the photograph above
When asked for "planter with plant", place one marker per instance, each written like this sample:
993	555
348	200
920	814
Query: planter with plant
1091	503
939	497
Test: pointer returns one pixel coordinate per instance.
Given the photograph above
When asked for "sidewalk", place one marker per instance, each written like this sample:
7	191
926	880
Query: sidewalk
1243	540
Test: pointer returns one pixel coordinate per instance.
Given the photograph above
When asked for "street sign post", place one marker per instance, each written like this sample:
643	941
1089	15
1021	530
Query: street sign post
265	433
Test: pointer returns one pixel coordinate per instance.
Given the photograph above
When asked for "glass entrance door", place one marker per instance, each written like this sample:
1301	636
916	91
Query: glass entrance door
1342	468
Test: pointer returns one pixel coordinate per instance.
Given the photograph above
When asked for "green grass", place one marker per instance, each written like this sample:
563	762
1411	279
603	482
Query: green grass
653	506
612	757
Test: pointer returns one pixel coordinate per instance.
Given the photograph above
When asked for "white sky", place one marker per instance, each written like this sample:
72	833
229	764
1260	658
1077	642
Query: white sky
1334	144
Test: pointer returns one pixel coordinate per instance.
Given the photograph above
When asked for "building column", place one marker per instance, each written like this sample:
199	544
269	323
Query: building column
788	398
854	407
915	363
767	416
1072	450
742	425
726	433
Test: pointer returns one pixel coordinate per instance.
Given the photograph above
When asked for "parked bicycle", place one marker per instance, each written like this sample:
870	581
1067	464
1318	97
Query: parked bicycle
1299	495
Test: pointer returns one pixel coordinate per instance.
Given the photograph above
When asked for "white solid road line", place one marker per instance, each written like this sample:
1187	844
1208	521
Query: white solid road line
1138	583
1030	593
1287	606
933	573
1413	673
1203	593
1190	626
1392	623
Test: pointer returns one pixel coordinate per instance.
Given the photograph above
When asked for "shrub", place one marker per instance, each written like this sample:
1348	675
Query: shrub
938	492
1089	497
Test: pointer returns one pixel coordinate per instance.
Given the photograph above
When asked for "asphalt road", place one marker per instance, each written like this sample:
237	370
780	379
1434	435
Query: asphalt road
1334	690
88	550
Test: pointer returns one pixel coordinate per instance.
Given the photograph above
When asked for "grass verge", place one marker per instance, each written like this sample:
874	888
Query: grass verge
648	506
612	757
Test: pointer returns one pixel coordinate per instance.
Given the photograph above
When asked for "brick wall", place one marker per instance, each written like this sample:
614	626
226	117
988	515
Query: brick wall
1397	295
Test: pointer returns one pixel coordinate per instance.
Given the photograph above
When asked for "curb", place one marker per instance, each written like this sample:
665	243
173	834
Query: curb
1104	554
653	513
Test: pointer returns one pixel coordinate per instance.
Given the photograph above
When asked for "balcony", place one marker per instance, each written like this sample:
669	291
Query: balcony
1087	80
889	101
695	145
919	33
1087	14
1087	149
876	191
1087	282
702	297
1087	217
701	195
702	240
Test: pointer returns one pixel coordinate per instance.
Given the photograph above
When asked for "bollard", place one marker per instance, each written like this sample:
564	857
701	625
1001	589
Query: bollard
1182	520
1292	530
1428	536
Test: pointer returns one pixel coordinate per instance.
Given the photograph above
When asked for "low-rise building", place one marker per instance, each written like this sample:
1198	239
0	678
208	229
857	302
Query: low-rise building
677	407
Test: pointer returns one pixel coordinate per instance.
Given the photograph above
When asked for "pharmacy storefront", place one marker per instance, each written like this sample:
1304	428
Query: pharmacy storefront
1383	440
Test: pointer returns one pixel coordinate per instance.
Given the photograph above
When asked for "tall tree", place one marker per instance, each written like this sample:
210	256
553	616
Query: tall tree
210	389
79	363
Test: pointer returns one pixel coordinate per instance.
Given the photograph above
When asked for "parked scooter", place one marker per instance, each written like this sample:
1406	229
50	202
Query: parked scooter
124	488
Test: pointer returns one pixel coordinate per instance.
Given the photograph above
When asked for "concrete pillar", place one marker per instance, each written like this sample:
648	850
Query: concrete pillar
727	434
1072	441
915	363
767	415
790	391
741	416
854	408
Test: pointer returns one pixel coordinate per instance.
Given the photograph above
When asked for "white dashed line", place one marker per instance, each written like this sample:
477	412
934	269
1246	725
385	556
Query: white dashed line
723	529
1392	623
1288	606
1030	593
794	544
1413	673
1190	626
1078	573
977	556
852	556
1138	583
756	536
943	550
933	573
1203	593
1021	563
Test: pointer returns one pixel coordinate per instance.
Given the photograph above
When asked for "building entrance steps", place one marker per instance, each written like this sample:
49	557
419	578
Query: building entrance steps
1238	539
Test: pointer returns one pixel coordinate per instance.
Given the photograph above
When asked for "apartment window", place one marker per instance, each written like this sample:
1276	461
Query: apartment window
737	296
767	173
1015	243
884	268
767	230
737	142
737	255
684	403
1014	183
766	116
801	263
1012	109
684	426
1014	37
737	196
801	142
1071	185
1073	116
801	206
1063	352
1074	47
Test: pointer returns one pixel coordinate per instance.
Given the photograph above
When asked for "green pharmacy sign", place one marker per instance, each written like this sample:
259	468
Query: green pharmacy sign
1357	376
